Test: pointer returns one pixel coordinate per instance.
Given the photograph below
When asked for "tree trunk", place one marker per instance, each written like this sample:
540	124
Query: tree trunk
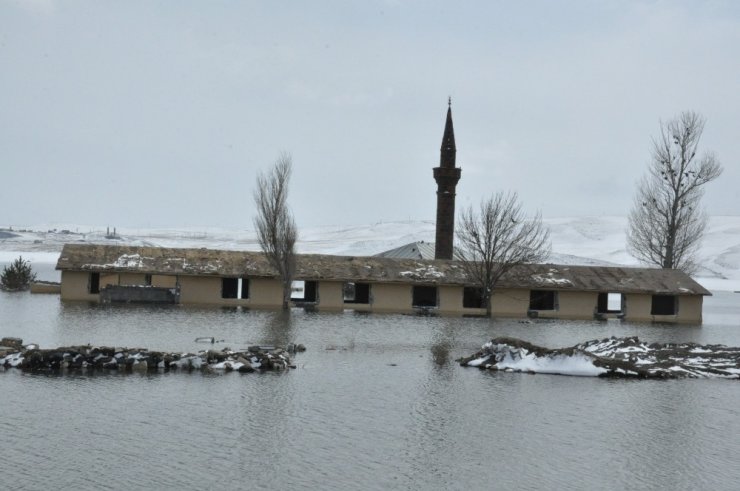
287	293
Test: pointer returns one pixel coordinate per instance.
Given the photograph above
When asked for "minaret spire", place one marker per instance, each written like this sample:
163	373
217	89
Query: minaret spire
448	150
447	176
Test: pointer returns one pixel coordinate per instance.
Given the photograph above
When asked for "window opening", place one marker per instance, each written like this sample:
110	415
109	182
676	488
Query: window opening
356	292
541	300
472	297
297	290
304	291
229	287
243	288
609	303
664	305
94	282
424	296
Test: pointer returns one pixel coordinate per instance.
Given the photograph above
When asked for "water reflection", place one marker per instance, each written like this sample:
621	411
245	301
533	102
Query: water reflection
388	408
278	329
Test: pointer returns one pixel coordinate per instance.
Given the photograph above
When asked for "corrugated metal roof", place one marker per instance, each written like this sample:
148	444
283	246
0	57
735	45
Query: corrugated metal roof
156	260
412	250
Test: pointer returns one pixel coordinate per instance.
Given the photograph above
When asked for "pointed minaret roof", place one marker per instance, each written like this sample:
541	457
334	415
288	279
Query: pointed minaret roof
448	150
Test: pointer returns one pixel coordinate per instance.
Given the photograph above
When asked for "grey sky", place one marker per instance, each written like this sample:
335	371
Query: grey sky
157	113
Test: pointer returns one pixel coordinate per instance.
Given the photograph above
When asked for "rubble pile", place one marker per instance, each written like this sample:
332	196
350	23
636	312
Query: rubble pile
13	354
611	357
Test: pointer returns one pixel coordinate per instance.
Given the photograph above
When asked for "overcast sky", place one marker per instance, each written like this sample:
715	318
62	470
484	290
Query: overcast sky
160	113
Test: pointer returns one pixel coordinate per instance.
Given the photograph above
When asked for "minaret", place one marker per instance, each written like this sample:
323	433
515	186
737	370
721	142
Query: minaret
446	176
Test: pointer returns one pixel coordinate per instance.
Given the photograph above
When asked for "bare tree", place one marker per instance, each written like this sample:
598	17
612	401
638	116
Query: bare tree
276	230
667	222
496	238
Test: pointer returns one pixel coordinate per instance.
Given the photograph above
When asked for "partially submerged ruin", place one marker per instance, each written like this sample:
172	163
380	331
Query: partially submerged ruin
116	273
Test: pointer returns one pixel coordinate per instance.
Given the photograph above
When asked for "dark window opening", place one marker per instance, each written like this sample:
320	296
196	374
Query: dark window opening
609	303
472	297
541	300
310	289
94	282
356	293
148	279
304	291
244	284
229	287
664	305
424	296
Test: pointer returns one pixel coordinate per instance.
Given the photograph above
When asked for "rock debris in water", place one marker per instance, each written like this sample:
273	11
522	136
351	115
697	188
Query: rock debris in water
611	357
13	354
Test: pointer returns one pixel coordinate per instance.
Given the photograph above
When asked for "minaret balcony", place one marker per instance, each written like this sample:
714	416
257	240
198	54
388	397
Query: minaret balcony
447	173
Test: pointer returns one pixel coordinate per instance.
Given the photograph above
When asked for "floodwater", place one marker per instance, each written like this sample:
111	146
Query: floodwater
376	402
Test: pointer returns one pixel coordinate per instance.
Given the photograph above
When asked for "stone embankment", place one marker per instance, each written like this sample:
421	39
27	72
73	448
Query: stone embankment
13	354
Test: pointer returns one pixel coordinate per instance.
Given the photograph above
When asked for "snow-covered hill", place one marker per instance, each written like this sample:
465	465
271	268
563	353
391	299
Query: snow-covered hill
575	240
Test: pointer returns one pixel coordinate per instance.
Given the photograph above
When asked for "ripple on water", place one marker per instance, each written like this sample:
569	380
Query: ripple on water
377	402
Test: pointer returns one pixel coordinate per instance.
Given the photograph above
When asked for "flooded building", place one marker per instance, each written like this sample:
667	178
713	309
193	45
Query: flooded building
113	273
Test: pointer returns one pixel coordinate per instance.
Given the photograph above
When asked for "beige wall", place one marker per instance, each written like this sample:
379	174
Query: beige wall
108	279
200	289
450	299
510	303
573	305
637	307
164	281
131	279
75	286
390	297
265	293
384	297
330	295
689	309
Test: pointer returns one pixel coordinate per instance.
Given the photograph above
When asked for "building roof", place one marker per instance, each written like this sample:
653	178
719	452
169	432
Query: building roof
412	250
210	262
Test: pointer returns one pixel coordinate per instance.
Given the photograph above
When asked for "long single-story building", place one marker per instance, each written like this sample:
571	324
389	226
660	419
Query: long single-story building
114	273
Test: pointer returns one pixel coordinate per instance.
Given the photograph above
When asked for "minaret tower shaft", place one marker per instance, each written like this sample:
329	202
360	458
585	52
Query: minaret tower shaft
447	176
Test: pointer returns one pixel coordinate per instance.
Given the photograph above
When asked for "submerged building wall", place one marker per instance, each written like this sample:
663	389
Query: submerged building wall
385	297
76	286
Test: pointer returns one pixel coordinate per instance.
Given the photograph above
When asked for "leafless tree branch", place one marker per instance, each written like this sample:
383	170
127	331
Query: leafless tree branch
667	221
497	237
276	229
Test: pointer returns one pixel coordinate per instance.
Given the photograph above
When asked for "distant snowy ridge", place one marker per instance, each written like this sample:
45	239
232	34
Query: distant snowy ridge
596	241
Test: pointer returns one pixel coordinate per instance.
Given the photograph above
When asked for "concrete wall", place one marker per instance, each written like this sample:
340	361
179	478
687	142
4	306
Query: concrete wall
200	289
75	286
390	297
265	293
690	308
164	281
131	279
637	308
384	297
510	303
450	299
573	305
108	279
330	295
